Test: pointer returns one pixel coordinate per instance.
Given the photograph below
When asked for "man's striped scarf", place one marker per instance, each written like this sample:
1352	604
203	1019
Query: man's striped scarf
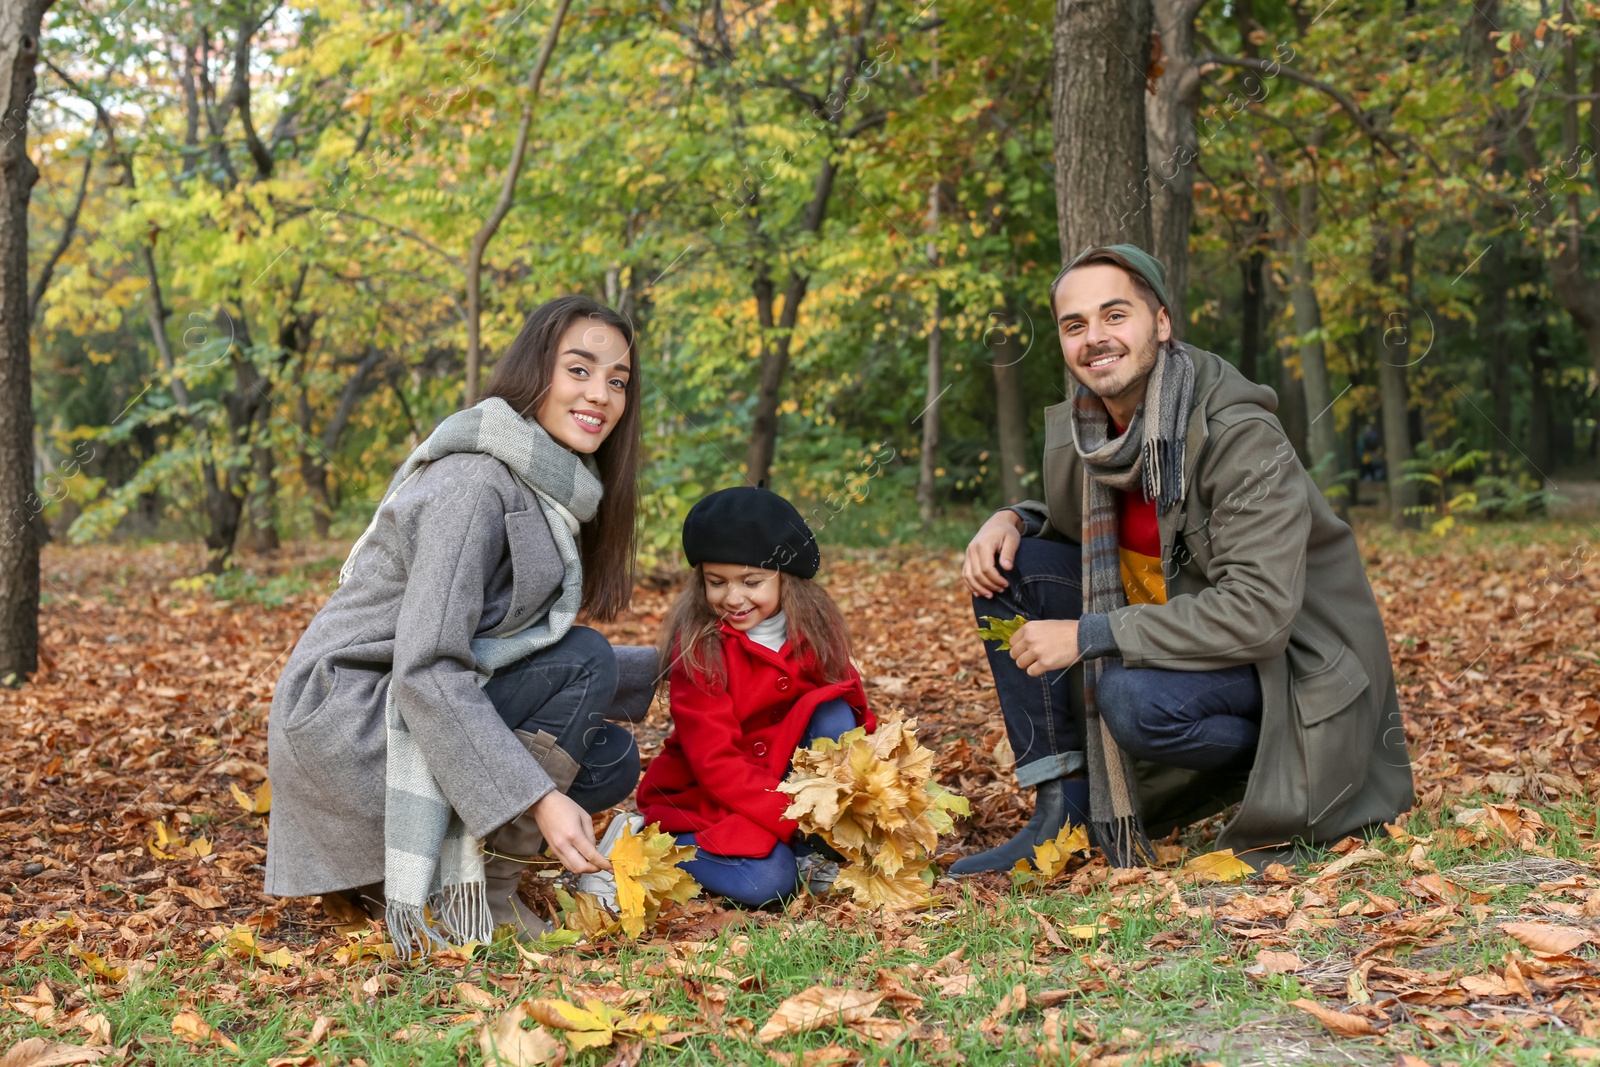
1148	457
432	867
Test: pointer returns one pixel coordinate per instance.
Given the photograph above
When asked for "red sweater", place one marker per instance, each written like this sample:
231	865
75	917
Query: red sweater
1139	546
718	772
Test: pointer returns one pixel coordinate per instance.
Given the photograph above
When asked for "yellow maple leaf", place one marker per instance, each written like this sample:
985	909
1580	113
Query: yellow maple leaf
167	845
1219	866
647	873
1050	857
874	887
258	804
360	947
241	944
594	1025
164	841
97	964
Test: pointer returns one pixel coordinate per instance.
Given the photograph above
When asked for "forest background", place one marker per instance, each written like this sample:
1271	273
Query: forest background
270	245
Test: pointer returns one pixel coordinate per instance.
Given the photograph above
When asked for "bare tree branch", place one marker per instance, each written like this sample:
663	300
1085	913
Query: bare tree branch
69	229
1362	120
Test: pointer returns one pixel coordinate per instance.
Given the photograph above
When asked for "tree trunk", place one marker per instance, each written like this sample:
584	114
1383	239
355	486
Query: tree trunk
775	346
1172	144
1253	300
777	337
1578	294
502	207
927	499
1541	407
1290	388
1393	396
1011	409
314	453
1102	51
1321	426
263	501
19	548
1292	401
1396	437
1497	369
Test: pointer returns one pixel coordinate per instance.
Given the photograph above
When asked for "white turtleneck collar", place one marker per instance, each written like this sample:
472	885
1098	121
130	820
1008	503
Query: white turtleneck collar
771	631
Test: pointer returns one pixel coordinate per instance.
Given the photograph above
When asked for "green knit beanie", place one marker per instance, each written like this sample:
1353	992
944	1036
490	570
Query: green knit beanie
1148	266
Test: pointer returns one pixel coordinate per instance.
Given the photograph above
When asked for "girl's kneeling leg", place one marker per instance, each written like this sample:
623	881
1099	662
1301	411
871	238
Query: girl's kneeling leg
745	880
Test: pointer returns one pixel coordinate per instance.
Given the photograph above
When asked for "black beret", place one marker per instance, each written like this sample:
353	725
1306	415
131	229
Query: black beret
752	526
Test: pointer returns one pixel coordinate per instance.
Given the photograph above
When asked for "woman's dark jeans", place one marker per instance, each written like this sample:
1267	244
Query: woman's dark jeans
1200	720
565	691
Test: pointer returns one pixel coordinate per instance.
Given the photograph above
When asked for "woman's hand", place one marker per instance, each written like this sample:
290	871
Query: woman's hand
569	832
1045	645
996	539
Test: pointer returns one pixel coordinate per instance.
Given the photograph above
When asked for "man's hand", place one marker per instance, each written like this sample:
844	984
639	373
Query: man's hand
569	832
996	539
1045	645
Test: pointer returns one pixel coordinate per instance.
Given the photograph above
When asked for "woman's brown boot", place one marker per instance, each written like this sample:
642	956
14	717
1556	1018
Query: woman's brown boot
510	849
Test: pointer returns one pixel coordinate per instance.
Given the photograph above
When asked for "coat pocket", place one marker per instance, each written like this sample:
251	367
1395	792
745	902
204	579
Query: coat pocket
342	743
1335	733
536	569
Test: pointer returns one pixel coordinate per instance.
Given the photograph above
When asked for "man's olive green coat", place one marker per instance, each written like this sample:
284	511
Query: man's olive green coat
1259	570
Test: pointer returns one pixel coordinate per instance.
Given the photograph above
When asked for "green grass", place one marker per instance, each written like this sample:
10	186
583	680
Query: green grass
1136	997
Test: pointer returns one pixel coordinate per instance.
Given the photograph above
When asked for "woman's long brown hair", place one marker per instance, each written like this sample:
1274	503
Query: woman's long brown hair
817	631
521	378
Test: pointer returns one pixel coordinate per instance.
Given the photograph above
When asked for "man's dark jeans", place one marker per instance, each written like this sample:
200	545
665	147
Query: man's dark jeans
1197	720
565	690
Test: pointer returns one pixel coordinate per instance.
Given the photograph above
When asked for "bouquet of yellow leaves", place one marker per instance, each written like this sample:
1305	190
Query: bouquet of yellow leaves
873	798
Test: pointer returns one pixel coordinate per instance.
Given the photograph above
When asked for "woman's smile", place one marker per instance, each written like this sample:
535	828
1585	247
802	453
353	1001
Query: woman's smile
590	421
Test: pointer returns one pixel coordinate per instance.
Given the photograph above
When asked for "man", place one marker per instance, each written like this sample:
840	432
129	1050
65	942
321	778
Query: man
1230	645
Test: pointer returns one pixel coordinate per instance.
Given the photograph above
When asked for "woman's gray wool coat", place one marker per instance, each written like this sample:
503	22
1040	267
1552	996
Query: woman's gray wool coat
462	551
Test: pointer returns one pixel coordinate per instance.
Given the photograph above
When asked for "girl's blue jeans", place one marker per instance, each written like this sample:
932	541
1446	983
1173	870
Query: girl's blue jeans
751	881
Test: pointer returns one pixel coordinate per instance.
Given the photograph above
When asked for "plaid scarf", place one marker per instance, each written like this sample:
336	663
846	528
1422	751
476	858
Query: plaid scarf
1148	457
432	868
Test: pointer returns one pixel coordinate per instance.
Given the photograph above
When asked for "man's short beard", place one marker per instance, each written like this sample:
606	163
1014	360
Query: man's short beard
1145	362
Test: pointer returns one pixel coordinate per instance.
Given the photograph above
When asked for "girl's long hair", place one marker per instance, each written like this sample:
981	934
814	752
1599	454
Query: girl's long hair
521	378
817	632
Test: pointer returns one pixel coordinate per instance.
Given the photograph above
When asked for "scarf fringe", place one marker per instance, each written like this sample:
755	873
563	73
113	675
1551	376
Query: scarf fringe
462	912
459	914
1123	841
409	930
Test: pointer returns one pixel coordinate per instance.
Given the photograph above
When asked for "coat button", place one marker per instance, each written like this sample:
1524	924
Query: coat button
784	685
759	749
777	715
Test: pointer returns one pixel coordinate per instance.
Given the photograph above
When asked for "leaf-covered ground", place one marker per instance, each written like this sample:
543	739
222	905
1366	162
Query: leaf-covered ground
133	927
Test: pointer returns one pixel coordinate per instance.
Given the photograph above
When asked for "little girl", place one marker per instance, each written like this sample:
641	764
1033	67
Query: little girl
760	666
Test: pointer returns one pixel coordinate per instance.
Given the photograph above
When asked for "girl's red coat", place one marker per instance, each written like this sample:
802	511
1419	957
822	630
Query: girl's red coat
718	772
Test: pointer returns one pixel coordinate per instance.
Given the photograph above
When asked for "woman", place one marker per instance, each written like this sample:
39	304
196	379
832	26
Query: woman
442	718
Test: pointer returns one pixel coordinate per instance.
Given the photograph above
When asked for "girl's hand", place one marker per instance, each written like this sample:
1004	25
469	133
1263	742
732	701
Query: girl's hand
569	832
